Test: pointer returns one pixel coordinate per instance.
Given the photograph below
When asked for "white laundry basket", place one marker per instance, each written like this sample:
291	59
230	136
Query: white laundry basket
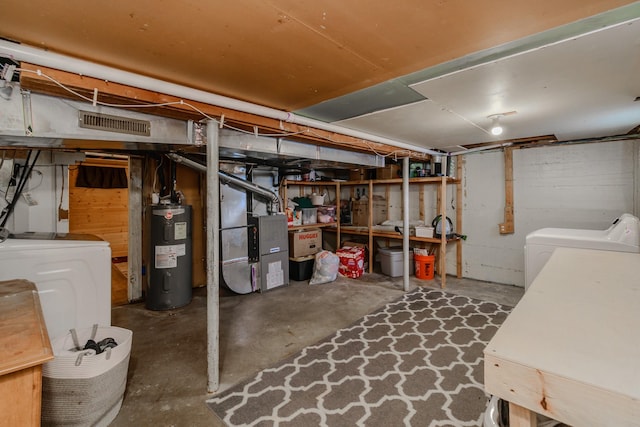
82	388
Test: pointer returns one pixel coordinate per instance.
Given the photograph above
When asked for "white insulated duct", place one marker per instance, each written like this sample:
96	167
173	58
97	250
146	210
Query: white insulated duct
19	52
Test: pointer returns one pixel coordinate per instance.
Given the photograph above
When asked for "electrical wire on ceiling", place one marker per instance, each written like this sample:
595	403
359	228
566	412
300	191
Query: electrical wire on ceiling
396	154
307	131
460	116
40	57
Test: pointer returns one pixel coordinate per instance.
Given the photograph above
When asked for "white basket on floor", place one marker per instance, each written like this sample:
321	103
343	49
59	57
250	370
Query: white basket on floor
82	388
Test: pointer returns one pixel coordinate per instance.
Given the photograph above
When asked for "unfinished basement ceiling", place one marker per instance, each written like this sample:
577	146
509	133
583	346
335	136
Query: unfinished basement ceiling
424	73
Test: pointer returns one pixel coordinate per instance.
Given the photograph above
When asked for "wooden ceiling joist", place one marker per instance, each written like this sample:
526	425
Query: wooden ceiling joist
54	82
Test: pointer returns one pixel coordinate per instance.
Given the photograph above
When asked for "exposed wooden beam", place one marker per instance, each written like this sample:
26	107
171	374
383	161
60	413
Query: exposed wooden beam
533	141
115	93
508	226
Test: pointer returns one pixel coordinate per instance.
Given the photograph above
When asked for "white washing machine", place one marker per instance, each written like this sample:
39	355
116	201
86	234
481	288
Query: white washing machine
73	277
623	236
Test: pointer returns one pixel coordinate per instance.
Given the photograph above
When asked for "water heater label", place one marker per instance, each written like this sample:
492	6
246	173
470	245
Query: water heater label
180	231
166	257
181	249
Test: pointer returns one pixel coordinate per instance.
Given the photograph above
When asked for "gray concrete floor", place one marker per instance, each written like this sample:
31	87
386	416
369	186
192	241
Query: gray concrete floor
167	377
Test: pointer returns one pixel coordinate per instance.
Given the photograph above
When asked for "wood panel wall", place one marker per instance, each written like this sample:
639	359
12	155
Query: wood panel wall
103	212
193	186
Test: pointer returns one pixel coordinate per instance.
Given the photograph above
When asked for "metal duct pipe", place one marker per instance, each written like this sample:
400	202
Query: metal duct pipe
232	180
254	188
188	162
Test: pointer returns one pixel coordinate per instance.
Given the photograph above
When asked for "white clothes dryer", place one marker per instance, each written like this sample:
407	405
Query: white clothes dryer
73	277
623	235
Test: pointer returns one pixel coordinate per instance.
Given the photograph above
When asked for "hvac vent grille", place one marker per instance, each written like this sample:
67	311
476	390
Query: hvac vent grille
106	122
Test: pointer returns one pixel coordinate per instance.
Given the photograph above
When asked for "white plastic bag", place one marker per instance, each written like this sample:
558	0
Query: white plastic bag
325	268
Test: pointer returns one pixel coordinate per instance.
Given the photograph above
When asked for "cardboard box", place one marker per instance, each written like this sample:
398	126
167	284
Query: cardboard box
349	243
357	175
388	172
351	261
305	242
360	212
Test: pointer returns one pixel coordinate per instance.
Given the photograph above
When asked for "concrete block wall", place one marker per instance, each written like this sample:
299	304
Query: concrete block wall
567	186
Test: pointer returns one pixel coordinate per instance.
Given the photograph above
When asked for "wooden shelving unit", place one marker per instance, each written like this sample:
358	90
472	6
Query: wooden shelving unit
442	243
315	225
316	186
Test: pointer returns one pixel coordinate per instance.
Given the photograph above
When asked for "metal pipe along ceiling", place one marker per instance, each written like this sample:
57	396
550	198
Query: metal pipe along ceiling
19	52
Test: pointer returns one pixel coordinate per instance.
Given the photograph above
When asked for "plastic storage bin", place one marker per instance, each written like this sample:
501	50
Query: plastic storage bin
309	216
326	214
301	268
424	231
391	262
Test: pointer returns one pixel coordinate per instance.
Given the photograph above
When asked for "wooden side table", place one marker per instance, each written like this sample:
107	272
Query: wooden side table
24	347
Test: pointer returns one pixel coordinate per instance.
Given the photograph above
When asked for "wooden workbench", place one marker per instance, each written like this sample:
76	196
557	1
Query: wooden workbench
24	347
571	348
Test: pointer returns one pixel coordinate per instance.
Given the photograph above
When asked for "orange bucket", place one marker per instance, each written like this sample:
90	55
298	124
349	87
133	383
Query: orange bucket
424	266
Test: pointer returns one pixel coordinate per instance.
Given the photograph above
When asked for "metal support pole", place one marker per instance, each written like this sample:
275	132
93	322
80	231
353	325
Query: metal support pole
636	177
213	258
405	223
442	270
134	253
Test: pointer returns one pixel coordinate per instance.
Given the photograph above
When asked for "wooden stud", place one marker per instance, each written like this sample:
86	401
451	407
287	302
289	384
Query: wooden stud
521	417
421	202
387	197
508	226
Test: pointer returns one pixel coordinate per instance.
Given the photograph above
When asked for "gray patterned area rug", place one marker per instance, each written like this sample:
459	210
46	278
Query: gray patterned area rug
417	361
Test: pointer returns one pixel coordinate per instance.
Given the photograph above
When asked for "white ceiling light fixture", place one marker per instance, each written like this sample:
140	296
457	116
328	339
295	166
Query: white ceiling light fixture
496	128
